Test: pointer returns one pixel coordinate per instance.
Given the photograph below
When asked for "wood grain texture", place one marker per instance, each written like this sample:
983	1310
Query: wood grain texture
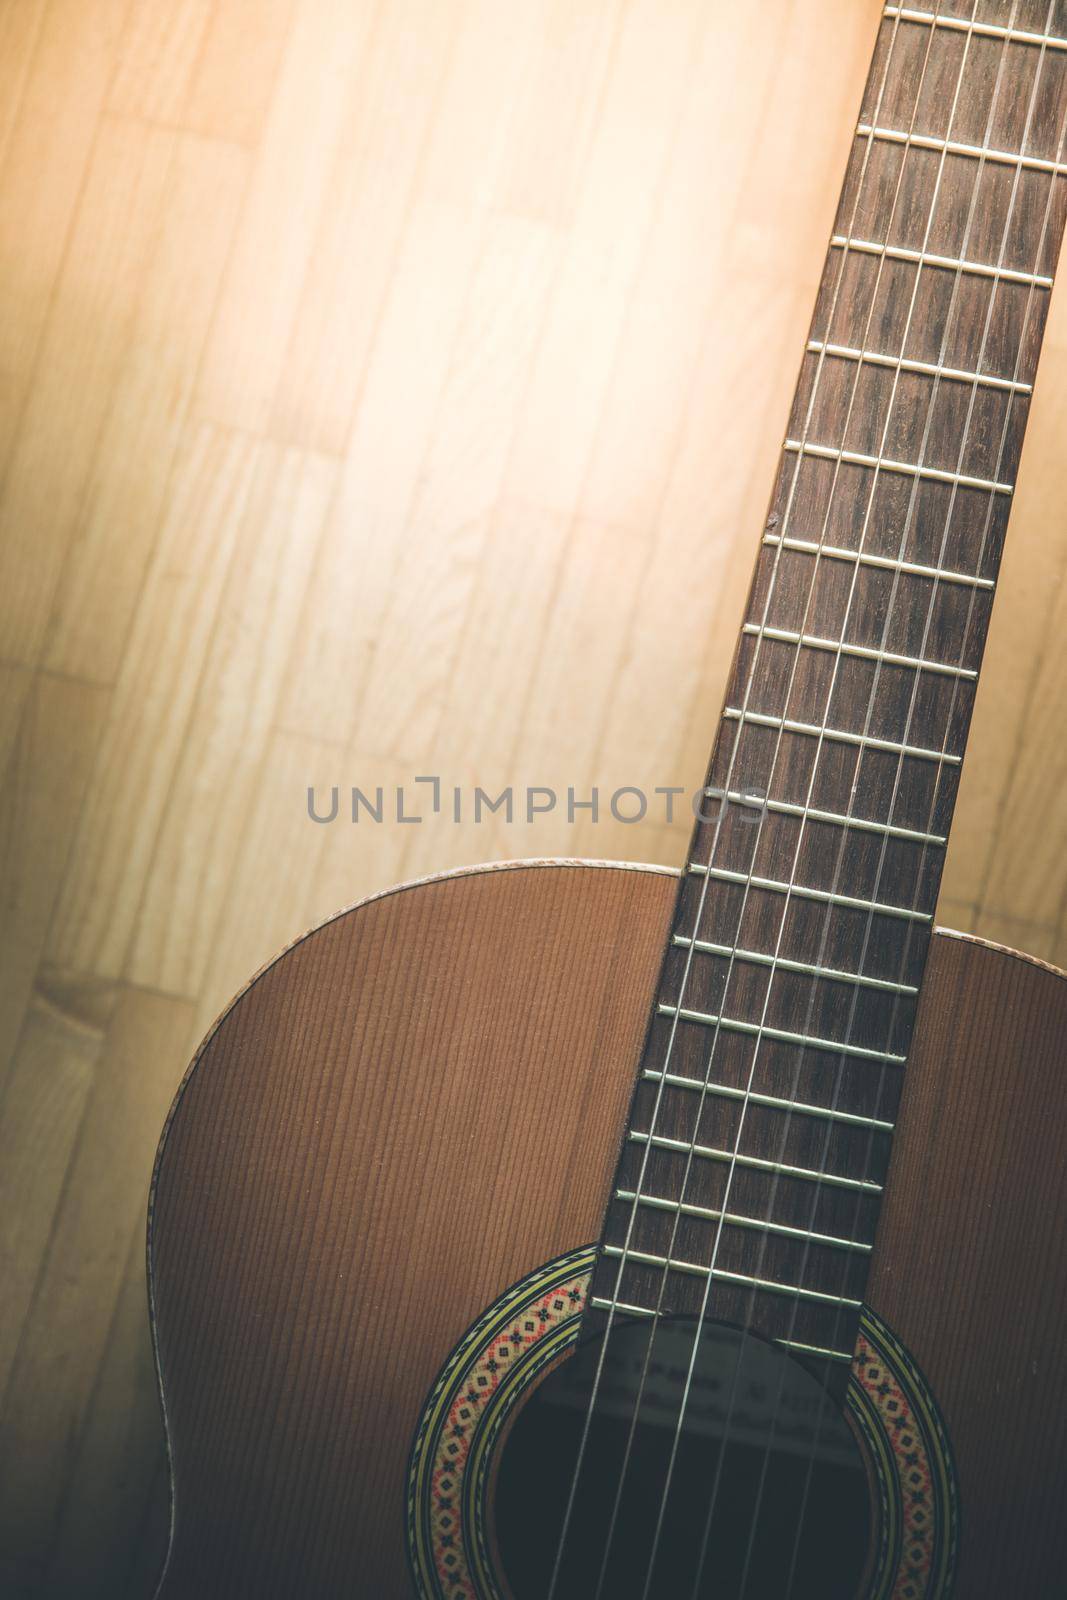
335	1203
235	209
428	1047
96	1201
969	1266
884	537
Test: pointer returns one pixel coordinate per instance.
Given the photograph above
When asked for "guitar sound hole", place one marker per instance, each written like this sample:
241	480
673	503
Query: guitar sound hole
789	1518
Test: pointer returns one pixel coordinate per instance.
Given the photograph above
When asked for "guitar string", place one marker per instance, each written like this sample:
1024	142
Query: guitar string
709	1280
613	1302
703	1090
971	409
1005	433
669	1255
974	388
835	1337
792	876
877	1104
954	493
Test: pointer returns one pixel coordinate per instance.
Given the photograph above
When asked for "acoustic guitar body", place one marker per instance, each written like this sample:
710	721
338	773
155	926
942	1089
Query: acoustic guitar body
370	1237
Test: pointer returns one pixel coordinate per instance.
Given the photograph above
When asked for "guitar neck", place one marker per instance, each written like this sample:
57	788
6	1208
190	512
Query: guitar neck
759	1136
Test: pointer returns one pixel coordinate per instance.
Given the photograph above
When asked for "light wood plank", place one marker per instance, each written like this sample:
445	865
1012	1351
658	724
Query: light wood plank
272	891
153	702
1027	853
956	914
500	654
515	598
234	79
580	654
655	69
575	355
20	30
1007	839
578	348
120	1451
41	1112
66	1331
458	488
220	764
569	64
319	79
775	316
75	377
476	128
40	798
15	685
665	447
135	453
379	154
356	858
342	625
1018	933
160	49
48	153
717	222
413	351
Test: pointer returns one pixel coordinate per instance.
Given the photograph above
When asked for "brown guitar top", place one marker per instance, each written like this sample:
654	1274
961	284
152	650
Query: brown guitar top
421	1100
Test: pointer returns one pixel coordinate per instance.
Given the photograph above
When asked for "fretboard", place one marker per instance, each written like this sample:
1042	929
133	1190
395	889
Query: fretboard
753	1163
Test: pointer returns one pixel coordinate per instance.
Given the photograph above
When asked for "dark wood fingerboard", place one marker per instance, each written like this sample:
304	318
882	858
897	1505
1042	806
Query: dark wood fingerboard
760	1130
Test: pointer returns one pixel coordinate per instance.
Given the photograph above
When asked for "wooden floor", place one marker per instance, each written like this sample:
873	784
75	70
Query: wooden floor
387	388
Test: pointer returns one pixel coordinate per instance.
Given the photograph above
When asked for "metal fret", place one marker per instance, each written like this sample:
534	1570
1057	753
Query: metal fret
789	808
988	30
601	1303
909	469
980	303
725	1091
953	147
929	369
979	269
763	719
694	1269
756	1163
864	558
865	652
851	901
815	1350
734	1219
834	974
781	1035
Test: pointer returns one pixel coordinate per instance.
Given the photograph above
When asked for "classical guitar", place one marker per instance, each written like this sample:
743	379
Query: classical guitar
564	1231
